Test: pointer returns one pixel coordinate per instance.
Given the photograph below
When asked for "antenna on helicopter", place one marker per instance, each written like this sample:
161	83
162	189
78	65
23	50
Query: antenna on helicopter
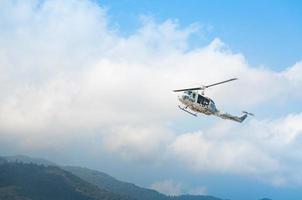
202	88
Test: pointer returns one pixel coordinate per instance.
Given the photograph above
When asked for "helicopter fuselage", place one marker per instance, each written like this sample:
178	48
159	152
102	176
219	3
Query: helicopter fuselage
197	102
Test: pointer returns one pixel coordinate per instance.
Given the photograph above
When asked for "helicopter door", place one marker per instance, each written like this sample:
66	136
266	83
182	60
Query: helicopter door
206	102
202	101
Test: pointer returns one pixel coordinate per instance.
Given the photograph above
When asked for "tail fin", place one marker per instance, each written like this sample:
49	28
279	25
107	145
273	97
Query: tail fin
243	117
245	112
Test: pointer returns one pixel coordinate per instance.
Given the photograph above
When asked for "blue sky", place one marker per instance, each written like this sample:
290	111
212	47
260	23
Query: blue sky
89	83
267	32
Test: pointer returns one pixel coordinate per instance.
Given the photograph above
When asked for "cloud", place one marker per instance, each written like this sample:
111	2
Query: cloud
65	72
262	149
201	190
203	154
168	187
175	188
147	143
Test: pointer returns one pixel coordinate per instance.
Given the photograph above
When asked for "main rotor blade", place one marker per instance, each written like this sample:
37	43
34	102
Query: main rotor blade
186	89
204	87
233	79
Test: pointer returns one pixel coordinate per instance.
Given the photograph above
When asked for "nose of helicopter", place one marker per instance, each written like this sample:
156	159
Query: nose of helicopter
181	97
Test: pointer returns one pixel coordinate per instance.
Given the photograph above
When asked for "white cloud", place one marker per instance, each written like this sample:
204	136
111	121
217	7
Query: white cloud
204	154
65	71
168	187
175	188
260	149
147	143
201	190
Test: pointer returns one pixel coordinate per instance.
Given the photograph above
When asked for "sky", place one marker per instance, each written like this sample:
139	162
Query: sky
90	83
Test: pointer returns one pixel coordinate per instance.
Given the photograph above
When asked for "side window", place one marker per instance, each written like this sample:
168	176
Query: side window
199	99
193	95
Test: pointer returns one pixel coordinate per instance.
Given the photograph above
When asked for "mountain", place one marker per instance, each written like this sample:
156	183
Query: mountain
107	182
21	181
97	180
2	160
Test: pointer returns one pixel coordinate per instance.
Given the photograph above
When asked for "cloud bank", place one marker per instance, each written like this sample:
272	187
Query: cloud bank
175	188
65	71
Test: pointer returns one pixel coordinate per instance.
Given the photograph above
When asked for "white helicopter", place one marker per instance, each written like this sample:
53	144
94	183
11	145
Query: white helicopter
199	103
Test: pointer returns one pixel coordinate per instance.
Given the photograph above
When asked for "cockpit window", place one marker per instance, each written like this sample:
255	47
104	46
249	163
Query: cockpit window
188	92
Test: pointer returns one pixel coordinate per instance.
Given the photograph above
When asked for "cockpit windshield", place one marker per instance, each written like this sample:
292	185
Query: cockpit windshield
188	92
212	105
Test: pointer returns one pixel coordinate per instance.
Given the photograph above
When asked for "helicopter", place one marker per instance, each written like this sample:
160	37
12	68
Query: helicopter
195	102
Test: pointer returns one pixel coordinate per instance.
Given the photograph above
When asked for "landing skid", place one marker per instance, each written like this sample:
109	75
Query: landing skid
185	109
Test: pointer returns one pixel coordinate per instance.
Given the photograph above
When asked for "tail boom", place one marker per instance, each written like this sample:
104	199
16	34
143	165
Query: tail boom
233	117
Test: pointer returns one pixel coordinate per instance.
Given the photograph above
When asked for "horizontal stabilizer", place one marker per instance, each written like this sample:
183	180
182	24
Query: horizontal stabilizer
245	112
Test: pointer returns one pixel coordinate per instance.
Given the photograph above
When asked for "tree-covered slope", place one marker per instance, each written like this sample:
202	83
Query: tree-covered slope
20	181
107	182
96	180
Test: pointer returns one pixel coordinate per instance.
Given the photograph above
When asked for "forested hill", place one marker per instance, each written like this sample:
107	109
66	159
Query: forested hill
25	178
107	182
28	181
19	181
